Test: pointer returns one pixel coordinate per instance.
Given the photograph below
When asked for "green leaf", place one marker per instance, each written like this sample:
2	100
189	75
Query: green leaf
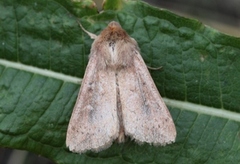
43	50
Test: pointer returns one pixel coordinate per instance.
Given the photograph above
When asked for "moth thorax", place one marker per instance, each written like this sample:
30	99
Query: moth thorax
119	56
113	52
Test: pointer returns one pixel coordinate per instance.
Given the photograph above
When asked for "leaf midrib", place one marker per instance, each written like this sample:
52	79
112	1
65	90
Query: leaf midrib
200	109
40	71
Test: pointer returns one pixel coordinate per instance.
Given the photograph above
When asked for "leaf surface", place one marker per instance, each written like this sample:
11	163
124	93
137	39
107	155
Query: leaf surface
200	79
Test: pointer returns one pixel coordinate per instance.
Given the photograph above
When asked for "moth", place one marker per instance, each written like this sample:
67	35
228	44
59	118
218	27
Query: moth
117	98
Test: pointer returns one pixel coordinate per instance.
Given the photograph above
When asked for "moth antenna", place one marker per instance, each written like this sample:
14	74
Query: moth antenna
92	36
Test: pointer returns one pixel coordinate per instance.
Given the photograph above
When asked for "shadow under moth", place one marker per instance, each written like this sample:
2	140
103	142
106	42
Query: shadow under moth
117	97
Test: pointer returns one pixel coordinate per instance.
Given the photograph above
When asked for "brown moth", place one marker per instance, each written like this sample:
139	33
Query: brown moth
117	97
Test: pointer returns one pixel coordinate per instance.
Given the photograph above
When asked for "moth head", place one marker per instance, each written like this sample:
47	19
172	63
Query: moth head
114	32
114	26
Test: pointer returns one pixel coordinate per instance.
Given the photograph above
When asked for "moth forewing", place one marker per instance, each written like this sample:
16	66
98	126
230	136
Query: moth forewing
117	97
94	122
145	115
